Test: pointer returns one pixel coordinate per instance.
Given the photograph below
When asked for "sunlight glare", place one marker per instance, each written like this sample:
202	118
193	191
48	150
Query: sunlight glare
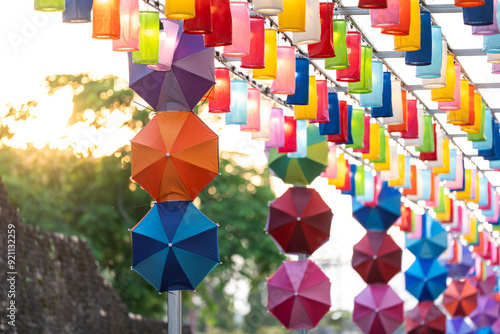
48	126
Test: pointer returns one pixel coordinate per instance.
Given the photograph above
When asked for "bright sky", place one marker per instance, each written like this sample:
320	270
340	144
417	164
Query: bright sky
37	44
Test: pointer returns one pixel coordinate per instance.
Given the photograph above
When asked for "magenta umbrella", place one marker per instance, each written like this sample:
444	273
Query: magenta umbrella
378	310
298	294
486	313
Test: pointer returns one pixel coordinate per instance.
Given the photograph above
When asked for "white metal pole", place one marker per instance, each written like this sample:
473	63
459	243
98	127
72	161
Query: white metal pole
302	257
174	312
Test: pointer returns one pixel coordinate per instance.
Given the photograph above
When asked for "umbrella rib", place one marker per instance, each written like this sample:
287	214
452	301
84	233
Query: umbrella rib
215	263
174	82
150	237
192	146
313	300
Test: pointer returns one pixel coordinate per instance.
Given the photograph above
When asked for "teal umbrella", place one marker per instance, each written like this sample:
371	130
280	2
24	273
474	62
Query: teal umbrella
301	171
174	246
433	242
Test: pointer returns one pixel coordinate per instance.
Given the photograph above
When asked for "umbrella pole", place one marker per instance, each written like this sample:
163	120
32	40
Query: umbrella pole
174	312
302	257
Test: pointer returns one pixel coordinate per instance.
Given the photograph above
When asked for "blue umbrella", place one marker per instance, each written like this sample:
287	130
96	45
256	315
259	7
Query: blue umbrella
458	325
433	242
174	246
426	279
381	216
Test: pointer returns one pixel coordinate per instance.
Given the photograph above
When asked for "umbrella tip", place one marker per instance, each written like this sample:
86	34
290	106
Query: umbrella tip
220	262
217	225
159	293
131	268
194	290
220	174
128	229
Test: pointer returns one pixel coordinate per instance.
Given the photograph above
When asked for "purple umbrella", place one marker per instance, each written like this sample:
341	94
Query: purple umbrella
180	89
460	269
458	326
496	326
486	312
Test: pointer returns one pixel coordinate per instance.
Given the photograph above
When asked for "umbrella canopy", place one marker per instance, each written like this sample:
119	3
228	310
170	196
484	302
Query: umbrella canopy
299	221
191	75
433	242
425	279
381	216
458	326
174	246
486	312
376	257
298	294
460	298
486	286
425	318
378	310
460	267
175	156
301	171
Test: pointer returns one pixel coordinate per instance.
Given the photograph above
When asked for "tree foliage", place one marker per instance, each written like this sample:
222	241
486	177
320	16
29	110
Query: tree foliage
94	198
14	114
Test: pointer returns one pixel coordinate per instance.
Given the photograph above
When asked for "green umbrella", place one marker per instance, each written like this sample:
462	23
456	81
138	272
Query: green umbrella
302	171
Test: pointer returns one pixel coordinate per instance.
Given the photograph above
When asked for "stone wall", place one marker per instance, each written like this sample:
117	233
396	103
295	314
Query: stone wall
57	286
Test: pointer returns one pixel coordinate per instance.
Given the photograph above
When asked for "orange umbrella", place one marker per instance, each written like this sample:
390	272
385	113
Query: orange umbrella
175	156
460	298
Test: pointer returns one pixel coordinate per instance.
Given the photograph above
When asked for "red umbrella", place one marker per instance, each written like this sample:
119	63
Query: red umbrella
378	310
376	257
460	298
299	221
425	318
298	294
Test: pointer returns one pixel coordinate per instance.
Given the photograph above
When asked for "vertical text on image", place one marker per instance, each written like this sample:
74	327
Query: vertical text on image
11	274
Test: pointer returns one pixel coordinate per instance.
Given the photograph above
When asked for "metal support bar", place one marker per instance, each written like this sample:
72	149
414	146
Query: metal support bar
437	9
174	312
456	52
487	85
302	257
478	85
442	9
458	135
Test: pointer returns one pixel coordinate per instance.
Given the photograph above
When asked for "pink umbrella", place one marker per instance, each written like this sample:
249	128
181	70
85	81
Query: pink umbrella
298	294
378	310
485	287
